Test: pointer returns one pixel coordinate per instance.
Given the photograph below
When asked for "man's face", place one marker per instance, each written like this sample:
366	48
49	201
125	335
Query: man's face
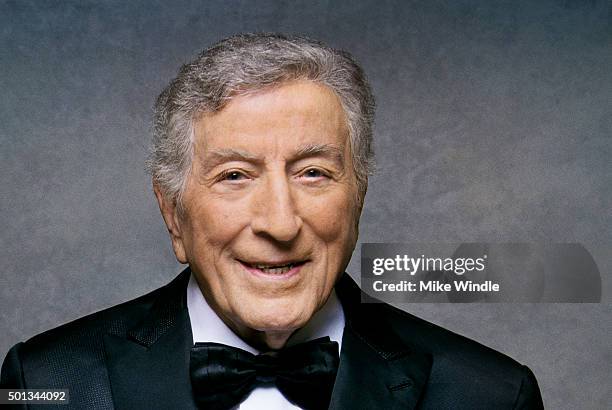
270	206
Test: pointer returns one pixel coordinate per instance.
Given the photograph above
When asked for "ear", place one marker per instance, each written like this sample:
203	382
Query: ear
171	218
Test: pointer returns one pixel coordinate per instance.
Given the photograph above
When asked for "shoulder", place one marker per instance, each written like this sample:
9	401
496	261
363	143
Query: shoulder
75	349
446	345
85	330
457	355
463	369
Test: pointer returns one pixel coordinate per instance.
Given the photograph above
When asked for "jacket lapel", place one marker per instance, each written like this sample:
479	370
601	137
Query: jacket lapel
150	368
377	369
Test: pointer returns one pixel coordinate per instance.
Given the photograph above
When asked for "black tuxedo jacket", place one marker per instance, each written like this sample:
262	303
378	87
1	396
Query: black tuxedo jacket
136	356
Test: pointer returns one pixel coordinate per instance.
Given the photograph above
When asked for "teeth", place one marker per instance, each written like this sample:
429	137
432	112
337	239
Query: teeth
276	270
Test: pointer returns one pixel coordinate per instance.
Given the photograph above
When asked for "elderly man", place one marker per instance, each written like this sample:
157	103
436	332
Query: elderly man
260	160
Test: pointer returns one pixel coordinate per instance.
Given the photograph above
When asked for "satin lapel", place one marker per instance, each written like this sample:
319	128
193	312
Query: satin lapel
377	369
150	368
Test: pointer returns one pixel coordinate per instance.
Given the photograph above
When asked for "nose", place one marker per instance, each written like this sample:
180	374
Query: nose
275	214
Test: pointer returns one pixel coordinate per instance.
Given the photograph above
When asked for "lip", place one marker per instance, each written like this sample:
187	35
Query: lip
250	267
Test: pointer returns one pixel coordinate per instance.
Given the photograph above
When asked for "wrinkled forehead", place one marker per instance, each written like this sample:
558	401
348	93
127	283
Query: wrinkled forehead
292	117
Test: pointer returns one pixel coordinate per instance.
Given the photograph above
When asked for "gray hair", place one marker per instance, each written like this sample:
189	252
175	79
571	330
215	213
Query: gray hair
244	64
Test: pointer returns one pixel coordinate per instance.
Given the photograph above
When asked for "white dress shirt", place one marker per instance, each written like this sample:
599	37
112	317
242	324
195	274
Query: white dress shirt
206	326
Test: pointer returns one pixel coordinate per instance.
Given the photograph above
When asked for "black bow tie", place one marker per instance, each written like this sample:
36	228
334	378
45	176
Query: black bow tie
222	376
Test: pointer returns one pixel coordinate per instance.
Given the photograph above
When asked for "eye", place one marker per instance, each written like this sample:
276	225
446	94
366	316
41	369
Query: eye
232	175
314	173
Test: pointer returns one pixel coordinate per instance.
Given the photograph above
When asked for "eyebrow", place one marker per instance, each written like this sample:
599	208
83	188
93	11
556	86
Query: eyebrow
328	151
216	157
219	156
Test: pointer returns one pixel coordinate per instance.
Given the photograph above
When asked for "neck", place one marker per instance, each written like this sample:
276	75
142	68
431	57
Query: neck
262	340
327	321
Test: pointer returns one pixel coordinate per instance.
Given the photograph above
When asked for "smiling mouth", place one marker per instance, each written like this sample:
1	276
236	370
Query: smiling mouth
273	268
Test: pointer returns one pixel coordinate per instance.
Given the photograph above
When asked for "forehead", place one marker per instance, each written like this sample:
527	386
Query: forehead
275	119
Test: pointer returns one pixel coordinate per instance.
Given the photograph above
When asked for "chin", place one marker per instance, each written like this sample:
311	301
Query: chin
277	318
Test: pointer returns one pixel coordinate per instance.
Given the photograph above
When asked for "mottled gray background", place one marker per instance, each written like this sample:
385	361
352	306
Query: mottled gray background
494	124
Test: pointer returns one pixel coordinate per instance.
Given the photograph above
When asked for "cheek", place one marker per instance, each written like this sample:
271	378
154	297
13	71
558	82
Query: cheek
331	217
215	222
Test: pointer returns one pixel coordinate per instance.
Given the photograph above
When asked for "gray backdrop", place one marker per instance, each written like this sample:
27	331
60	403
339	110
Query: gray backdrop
494	124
